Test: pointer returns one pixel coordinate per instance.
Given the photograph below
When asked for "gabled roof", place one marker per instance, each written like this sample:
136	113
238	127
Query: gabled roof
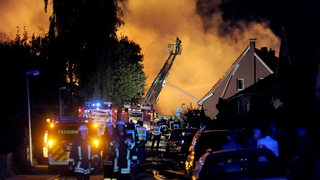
231	71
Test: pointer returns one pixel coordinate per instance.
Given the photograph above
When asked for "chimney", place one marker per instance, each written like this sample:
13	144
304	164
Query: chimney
253	43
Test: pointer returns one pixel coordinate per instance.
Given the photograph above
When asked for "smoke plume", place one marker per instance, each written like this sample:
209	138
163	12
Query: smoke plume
209	44
207	50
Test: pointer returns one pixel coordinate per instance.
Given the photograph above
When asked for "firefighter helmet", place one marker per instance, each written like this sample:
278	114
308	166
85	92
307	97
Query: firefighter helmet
120	122
109	124
83	128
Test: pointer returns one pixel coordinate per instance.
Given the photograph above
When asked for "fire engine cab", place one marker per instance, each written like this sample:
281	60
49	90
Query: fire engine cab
59	136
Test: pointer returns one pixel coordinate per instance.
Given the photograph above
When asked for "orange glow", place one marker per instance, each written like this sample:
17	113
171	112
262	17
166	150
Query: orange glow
23	13
205	55
95	125
154	24
51	125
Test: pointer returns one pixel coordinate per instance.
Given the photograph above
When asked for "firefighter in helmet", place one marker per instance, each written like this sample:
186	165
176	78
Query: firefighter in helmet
123	145
109	152
82	156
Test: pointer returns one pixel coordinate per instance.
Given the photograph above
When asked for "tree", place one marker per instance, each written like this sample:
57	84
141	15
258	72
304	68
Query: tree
192	115
21	55
98	66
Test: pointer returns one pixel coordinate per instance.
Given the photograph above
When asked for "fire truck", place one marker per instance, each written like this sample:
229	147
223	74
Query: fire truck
145	111
61	131
100	112
146	108
134	113
59	136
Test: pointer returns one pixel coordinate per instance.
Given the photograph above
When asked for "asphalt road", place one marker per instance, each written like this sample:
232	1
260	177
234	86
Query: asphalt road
155	167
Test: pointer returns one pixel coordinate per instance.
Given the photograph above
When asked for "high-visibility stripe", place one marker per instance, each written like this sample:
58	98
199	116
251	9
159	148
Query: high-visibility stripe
125	170
61	157
79	152
89	152
82	170
115	166
58	153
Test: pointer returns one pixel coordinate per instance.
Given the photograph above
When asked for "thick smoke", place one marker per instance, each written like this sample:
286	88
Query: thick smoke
209	44
208	50
22	15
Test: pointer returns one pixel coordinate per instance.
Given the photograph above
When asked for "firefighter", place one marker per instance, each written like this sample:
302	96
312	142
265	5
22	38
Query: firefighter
141	132
141	140
82	157
109	152
123	145
156	133
178	44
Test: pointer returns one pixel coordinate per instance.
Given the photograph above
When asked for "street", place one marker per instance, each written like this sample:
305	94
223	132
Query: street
155	167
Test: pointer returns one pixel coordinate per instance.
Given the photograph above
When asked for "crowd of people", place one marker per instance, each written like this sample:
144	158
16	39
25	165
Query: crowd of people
297	150
120	141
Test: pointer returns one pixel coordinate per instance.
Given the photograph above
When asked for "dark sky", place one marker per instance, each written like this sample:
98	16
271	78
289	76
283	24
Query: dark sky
301	22
278	12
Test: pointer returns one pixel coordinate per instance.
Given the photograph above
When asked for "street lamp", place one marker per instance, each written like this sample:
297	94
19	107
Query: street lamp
60	101
33	73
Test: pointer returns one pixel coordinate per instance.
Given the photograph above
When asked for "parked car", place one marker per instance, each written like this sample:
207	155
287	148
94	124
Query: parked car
208	139
238	164
180	140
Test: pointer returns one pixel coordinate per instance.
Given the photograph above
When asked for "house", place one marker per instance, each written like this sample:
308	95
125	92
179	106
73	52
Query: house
250	67
253	106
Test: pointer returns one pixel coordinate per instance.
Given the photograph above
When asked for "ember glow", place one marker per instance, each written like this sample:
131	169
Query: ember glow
154	24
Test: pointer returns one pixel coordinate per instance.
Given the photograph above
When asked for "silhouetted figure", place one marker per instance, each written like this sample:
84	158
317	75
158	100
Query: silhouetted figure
109	152
178	44
303	160
268	142
252	142
232	142
123	145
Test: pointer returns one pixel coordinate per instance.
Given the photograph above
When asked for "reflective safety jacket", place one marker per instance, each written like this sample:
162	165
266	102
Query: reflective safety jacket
156	130
109	151
81	156
122	161
142	133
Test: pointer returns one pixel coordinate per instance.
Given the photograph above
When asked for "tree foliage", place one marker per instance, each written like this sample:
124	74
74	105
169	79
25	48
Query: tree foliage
20	55
98	66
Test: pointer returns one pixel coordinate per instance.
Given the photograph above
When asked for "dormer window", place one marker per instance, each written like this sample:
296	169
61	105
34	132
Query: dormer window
240	84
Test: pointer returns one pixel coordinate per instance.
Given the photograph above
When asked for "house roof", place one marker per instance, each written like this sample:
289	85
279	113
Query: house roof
231	71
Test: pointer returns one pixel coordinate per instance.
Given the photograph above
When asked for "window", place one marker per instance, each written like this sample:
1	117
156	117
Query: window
240	84
243	107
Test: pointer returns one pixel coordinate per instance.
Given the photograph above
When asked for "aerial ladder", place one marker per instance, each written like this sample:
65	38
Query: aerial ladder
152	95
